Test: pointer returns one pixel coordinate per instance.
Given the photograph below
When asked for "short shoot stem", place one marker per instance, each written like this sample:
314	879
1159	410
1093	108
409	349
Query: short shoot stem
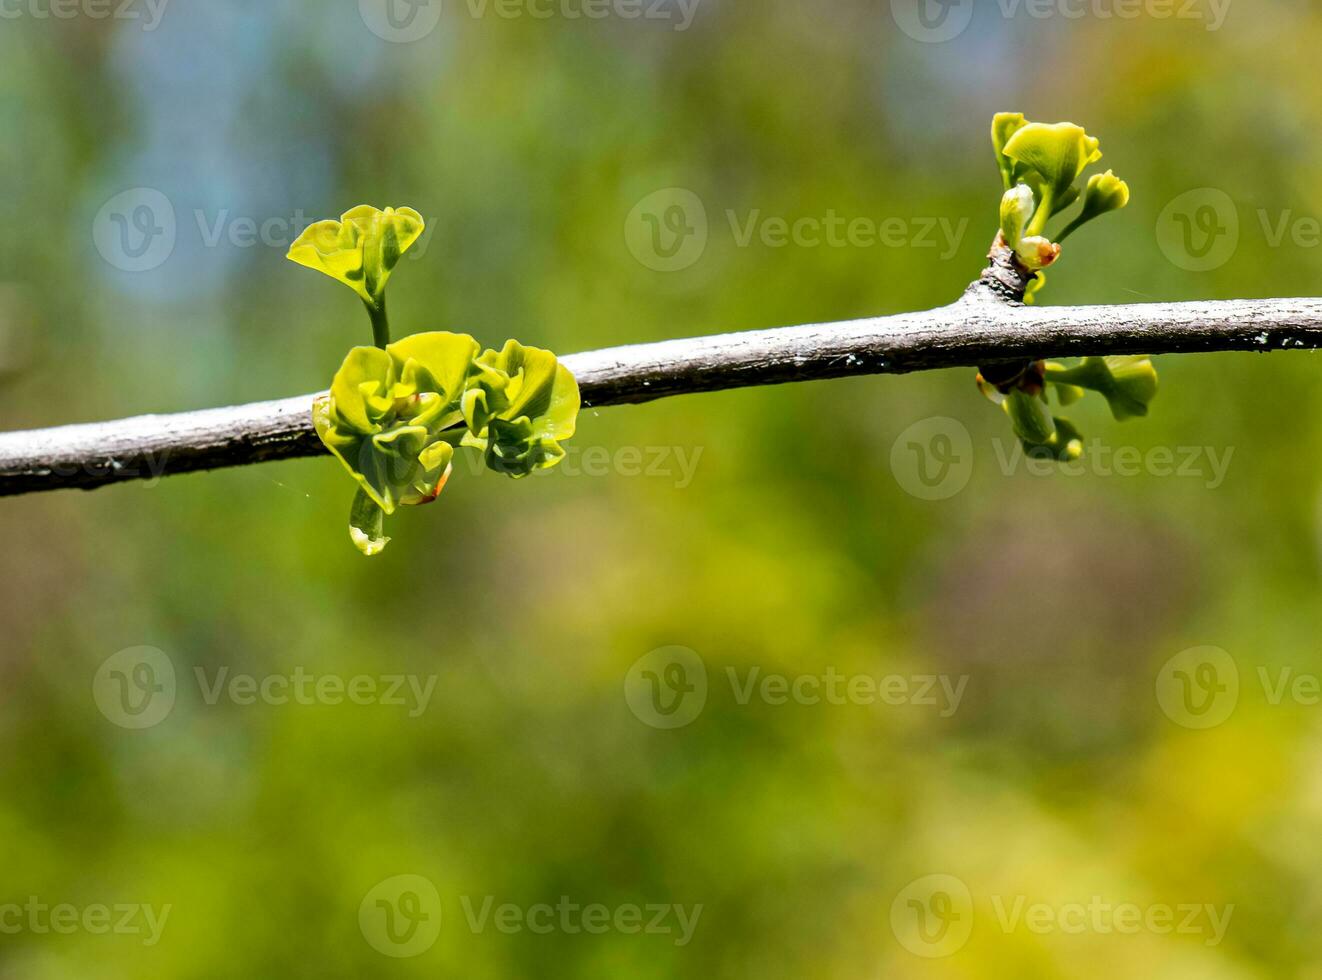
1043	212
380	322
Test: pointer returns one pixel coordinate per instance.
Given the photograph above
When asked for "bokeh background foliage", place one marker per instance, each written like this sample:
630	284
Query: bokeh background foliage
526	142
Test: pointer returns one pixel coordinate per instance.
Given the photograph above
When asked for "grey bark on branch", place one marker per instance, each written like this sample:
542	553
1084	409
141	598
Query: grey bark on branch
986	326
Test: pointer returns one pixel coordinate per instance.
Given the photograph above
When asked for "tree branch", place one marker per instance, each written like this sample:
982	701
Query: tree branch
986	325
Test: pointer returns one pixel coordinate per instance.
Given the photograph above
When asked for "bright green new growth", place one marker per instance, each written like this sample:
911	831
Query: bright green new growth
396	413
1040	167
361	250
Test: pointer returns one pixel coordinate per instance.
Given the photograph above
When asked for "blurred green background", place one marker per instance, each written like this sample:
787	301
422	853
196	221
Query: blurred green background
1066	771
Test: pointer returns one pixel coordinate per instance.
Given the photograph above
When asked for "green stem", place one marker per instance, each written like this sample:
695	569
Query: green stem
1043	212
1007	171
1030	417
1090	374
380	322
1071	228
367	523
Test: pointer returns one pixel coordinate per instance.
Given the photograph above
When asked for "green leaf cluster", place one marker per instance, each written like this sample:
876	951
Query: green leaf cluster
397	412
395	417
1040	167
361	250
1127	382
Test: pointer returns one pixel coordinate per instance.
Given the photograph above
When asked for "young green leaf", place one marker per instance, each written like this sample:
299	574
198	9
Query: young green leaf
387	406
1040	165
1005	125
1029	416
1106	192
367	525
1065	444
1016	211
527	402
361	249
1058	153
394	417
1129	383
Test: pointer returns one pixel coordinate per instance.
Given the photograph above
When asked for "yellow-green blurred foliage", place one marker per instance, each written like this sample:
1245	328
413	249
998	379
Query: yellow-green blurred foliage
791	547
